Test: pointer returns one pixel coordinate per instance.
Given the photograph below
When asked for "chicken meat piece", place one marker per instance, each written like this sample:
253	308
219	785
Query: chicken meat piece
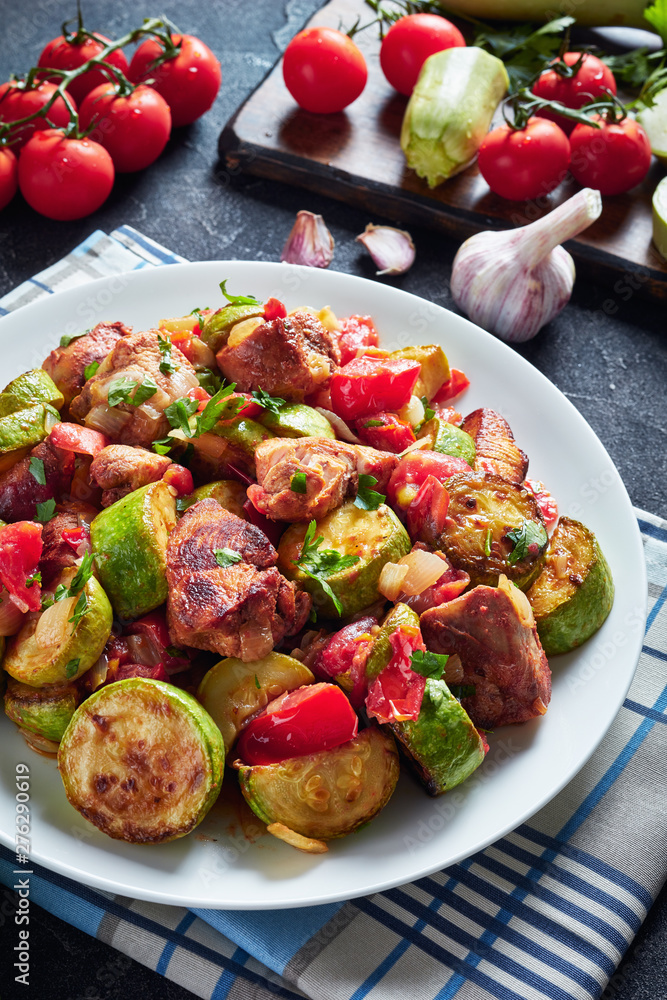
242	608
497	453
290	358
331	470
67	365
133	359
500	653
120	469
57	554
379	464
20	486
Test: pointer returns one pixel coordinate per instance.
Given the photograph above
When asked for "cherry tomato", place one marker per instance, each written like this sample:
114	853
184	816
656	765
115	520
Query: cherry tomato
133	129
408	44
415	468
344	658
74	437
189	82
524	163
427	514
356	332
9	176
396	694
368	385
18	102
310	719
20	552
457	383
64	178
274	309
385	432
592	80
324	70
180	478
62	54
613	158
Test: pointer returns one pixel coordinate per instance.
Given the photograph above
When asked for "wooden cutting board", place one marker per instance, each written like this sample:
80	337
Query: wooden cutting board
355	156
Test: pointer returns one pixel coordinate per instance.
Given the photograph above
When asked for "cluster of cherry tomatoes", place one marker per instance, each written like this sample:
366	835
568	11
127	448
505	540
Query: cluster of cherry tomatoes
108	120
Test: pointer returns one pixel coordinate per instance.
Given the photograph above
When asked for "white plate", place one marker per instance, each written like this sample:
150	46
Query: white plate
414	835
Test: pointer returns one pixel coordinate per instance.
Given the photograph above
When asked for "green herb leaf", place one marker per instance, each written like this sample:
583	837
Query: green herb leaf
179	412
632	68
367	498
656	15
72	667
45	511
429	413
67	338
238	300
184	503
167	366
36	470
31	580
487	543
374	423
428	664
120	391
82	575
197	313
257	684
319	565
298	483
463	690
525	50
227	557
91	369
209	380
271	403
162	446
80	609
529	534
217	406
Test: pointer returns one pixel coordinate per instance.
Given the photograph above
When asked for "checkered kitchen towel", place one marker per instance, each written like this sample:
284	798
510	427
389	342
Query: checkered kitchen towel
546	912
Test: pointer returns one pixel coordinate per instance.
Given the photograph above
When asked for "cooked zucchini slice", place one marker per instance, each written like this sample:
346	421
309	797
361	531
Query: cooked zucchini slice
442	747
296	420
232	690
26	427
381	653
435	367
215	332
328	794
142	760
574	593
32	387
74	651
448	439
376	536
229	494
493	527
44	711
129	540
244	436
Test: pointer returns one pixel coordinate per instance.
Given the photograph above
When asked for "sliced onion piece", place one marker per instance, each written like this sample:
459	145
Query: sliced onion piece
142	650
413	412
53	626
181	381
342	430
11	617
424	569
40	744
107	419
391	580
519	600
96	676
419	445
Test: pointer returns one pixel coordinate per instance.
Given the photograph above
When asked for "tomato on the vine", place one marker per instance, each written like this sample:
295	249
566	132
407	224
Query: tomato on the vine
408	44
324	70
133	129
8	176
189	82
64	178
60	53
526	162
591	81
18	101
613	158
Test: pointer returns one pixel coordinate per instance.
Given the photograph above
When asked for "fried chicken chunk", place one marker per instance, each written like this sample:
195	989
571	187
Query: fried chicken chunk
119	469
241	608
290	358
130	362
21	489
331	470
500	652
497	453
67	365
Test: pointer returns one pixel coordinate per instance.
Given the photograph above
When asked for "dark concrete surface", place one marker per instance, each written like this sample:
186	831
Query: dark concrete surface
606	351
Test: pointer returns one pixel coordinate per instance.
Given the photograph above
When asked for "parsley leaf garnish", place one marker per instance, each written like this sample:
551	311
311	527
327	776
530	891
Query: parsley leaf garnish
209	380
367	498
529	534
429	412
227	557
67	338
80	609
72	667
271	403
167	366
79	580
428	664
91	369
178	414
257	684
197	313
298	483
162	446
45	511
319	565
463	691
216	406
35	578
36	470
656	15
374	423
121	388
238	300
82	575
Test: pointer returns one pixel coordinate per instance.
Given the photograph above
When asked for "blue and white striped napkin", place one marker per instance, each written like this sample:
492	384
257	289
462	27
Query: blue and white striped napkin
546	912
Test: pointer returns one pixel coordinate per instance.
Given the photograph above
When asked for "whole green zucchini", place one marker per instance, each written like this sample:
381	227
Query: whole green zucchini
595	12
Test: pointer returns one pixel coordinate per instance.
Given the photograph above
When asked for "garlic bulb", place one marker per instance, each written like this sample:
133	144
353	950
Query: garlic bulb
391	249
514	282
309	242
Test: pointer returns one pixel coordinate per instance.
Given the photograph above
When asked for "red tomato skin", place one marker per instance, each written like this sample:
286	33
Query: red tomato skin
16	103
324	70
394	435
427	514
180	478
61	54
369	385
457	383
414	469
274	309
521	164
592	80
81	440
64	178
397	692
344	658
613	159
408	44
547	504
20	552
9	176
189	82
357	332
134	130
312	718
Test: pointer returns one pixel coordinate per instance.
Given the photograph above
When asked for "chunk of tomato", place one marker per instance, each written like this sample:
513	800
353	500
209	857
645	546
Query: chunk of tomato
344	657
369	385
20	552
81	440
356	332
396	694
414	469
385	432
457	382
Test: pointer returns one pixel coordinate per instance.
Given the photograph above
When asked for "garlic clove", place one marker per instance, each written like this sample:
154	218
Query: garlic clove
391	249
513	283
309	242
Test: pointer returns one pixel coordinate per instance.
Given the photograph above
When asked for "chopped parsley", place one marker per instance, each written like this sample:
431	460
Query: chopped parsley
91	369
167	366
271	403
72	667
67	338
374	423
80	609
319	565
35	578
209	380
238	300
120	391
217	406
429	412
198	314
79	581
429	664
178	414
45	511
298	483
368	498
162	446
257	684
487	543
36	470
530	535
227	557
